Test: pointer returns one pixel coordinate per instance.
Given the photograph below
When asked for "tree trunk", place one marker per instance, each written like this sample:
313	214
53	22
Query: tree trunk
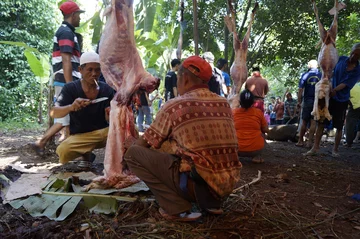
226	40
40	117
196	36
49	106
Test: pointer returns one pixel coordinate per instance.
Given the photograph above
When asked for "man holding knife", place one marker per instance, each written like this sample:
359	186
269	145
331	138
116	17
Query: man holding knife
87	101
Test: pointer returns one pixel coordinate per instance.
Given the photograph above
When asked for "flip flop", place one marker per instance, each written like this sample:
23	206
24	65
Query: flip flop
182	217
257	160
39	151
310	153
335	155
215	211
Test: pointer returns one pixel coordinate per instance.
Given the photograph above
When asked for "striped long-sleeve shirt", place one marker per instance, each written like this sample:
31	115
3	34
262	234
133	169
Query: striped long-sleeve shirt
65	41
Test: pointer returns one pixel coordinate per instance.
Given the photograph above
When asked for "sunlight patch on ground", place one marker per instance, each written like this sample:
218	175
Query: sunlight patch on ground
33	168
4	161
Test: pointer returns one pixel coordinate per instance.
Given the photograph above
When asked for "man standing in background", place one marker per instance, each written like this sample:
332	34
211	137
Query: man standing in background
306	98
171	80
222	65
65	62
259	87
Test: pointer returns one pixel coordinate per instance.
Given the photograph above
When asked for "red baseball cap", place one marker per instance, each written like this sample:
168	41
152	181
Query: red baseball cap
70	7
199	67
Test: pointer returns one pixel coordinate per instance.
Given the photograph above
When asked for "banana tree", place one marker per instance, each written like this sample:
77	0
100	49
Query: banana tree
39	65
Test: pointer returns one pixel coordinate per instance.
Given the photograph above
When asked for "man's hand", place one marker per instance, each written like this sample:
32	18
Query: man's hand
80	103
107	113
333	93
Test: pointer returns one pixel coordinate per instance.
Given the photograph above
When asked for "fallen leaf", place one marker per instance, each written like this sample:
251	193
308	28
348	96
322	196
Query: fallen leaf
317	204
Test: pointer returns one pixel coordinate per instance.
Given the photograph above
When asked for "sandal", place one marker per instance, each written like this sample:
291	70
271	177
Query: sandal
39	151
215	211
335	154
257	160
182	217
310	153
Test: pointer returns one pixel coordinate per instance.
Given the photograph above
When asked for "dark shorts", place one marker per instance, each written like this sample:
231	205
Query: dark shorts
338	112
307	108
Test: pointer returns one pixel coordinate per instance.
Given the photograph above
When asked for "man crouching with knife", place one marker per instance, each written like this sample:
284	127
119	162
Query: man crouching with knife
88	103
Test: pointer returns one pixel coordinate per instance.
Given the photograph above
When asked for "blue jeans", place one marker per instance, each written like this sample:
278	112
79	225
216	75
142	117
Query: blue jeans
143	111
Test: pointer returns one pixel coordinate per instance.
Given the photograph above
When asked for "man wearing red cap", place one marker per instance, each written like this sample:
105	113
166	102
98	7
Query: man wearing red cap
65	61
196	132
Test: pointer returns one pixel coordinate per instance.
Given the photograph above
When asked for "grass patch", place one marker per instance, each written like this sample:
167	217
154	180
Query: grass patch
15	126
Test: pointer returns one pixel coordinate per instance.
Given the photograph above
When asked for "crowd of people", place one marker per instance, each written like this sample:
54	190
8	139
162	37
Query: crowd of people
205	135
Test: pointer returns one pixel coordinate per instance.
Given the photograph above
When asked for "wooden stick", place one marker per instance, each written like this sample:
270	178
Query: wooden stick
120	198
248	184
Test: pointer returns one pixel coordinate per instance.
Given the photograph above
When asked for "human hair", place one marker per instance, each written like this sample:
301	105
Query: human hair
246	99
356	46
256	68
221	63
175	62
196	80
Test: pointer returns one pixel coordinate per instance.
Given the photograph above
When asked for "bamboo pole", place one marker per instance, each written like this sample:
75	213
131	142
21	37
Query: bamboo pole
196	35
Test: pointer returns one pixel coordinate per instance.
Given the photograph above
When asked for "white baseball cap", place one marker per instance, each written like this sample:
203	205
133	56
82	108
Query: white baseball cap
89	57
209	56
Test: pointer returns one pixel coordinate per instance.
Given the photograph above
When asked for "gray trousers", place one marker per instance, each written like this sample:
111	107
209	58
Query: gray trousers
160	172
352	118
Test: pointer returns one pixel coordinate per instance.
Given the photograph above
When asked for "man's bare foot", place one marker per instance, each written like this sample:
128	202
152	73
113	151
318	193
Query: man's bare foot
40	151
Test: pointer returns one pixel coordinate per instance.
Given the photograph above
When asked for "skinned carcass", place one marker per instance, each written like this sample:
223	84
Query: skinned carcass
123	70
327	59
238	70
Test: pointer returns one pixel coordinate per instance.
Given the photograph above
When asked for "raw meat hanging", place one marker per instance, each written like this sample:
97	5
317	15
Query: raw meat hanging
123	70
327	59
238	70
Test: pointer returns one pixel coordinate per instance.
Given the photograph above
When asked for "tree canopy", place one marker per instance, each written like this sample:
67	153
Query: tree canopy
283	38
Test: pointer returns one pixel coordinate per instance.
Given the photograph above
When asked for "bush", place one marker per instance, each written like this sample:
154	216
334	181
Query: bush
33	23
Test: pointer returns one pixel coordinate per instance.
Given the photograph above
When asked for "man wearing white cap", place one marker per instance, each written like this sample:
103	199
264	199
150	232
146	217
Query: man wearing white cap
87	102
217	82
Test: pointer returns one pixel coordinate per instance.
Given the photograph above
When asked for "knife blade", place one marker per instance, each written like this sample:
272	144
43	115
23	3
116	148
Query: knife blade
99	100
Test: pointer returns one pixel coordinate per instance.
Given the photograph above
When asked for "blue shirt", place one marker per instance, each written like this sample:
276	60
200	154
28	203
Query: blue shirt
226	78
349	78
308	81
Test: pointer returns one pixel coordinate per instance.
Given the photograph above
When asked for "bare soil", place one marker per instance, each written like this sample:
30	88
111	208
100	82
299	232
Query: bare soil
296	197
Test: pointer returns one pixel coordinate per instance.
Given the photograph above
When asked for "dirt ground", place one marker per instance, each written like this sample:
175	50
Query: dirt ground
296	197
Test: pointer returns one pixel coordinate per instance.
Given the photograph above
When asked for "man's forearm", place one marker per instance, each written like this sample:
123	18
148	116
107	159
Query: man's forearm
60	111
175	91
300	95
67	68
340	87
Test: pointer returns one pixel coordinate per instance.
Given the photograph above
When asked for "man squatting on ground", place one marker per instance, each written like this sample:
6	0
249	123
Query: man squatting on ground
88	121
201	164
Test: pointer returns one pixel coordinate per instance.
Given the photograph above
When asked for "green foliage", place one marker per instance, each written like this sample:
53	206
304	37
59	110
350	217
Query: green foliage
31	22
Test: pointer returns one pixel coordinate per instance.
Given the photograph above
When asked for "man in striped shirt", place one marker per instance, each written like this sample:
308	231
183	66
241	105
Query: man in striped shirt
66	61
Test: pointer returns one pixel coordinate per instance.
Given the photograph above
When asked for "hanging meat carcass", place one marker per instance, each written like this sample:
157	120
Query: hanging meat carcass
238	70
123	70
327	59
